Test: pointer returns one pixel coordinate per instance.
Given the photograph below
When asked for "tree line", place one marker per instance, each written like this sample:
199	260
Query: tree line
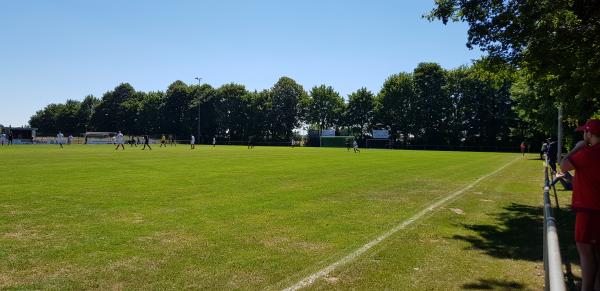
431	105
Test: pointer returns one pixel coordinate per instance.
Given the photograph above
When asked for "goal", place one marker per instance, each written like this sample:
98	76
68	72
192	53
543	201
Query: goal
99	137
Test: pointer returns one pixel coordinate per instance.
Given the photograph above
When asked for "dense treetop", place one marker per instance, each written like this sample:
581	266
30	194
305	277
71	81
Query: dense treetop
552	43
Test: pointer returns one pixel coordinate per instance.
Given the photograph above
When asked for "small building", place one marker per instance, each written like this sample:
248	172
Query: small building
20	135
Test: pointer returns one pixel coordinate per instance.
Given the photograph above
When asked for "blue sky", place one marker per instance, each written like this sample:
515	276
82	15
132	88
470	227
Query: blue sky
51	51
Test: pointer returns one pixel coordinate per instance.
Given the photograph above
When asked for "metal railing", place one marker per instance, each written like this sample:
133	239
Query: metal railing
553	274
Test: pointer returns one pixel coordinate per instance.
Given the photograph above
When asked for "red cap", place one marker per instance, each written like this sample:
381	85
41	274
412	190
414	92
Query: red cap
592	125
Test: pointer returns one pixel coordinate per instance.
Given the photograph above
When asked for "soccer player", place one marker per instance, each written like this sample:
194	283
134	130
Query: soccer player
523	148
584	158
59	139
193	142
146	142
119	141
132	142
355	146
3	138
10	138
163	140
214	141
251	142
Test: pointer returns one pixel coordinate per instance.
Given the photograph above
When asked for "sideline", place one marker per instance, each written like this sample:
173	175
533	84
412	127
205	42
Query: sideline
307	281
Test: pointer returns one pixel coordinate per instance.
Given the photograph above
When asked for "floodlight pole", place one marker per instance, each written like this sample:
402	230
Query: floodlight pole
199	133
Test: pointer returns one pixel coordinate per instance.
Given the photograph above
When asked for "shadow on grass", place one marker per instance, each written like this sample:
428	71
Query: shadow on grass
492	284
518	234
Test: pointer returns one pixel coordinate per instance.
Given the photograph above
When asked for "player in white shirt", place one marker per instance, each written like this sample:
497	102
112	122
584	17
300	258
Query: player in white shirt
59	139
355	146
3	138
214	141
193	142
119	141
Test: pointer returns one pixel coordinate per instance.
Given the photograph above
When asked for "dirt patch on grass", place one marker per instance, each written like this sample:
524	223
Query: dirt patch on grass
331	280
41	274
275	241
309	246
172	240
134	218
4	280
117	286
392	196
16	212
457	211
245	280
286	245
133	264
20	233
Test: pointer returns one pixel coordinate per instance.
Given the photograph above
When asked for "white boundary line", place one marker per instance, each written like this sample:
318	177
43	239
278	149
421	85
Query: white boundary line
350	257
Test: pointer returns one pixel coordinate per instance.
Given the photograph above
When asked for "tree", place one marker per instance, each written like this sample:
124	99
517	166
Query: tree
55	117
432	103
231	111
360	110
150	112
285	115
556	42
86	110
177	102
109	115
205	97
537	113
325	107
481	112
258	106
395	106
67	117
45	120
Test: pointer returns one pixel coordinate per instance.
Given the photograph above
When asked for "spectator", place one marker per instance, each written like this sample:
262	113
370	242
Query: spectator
585	160
543	150
551	154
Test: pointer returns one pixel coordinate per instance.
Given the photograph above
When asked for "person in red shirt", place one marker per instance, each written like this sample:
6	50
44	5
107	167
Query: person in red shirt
522	146
585	160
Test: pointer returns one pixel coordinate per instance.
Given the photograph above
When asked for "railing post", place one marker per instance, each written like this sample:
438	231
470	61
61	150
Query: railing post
553	275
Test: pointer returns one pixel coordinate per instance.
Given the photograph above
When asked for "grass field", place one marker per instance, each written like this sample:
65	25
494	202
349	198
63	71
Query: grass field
89	217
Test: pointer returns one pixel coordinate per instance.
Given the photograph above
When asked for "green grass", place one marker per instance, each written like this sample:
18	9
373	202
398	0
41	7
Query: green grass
89	217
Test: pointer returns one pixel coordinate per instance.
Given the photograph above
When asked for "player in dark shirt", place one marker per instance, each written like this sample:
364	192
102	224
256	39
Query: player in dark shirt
146	142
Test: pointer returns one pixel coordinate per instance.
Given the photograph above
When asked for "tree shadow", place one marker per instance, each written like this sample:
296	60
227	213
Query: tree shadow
518	234
493	284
